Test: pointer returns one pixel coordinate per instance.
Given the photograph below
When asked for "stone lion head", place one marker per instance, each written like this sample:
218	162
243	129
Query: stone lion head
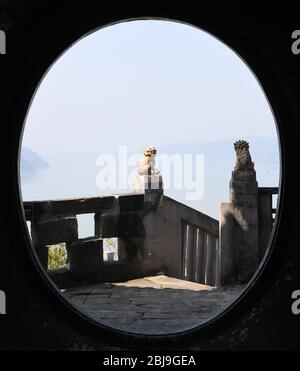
241	145
149	151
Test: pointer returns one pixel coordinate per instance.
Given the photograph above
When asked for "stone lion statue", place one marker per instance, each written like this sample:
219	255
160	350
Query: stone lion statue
243	157
146	167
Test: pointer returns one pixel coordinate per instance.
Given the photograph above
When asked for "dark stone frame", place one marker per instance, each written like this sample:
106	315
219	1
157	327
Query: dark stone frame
50	34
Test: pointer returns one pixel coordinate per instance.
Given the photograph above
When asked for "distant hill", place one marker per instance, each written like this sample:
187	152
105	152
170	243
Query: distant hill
261	148
31	162
74	174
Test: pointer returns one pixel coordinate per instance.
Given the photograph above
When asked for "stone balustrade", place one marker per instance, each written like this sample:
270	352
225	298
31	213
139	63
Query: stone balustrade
149	227
158	235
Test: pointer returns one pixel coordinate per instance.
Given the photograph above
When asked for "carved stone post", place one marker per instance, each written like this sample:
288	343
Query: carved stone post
153	189
239	222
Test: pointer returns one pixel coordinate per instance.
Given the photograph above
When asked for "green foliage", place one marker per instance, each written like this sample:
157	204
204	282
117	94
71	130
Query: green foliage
111	244
57	256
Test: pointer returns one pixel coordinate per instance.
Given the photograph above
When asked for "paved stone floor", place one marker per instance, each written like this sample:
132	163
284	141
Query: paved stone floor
152	305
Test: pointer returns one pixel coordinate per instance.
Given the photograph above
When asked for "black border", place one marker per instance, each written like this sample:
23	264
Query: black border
26	78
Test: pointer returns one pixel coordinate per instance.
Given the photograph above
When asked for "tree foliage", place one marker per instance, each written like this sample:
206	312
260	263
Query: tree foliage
57	256
111	244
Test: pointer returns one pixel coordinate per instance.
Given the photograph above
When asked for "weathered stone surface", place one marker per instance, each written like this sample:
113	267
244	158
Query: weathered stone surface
68	207
121	271
53	231
85	259
131	202
153	191
239	229
265	220
135	251
131	225
192	216
153	182
153	198
107	224
243	189
136	306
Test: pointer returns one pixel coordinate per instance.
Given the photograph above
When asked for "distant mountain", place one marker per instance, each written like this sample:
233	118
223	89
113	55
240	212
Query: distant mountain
261	148
31	162
75	174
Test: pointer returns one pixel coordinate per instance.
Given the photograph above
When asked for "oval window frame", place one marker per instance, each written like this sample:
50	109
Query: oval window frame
262	279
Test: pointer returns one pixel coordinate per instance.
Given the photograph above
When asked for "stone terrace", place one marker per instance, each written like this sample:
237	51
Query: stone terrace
152	305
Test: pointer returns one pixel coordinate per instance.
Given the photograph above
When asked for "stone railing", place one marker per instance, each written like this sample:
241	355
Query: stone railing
154	234
157	235
55	221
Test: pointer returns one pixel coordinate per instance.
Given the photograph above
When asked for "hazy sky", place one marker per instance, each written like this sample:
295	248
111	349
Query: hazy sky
141	83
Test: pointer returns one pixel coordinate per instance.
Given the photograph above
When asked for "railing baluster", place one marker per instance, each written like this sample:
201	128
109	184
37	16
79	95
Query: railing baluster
190	253
200	272
196	247
184	249
205	247
210	260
